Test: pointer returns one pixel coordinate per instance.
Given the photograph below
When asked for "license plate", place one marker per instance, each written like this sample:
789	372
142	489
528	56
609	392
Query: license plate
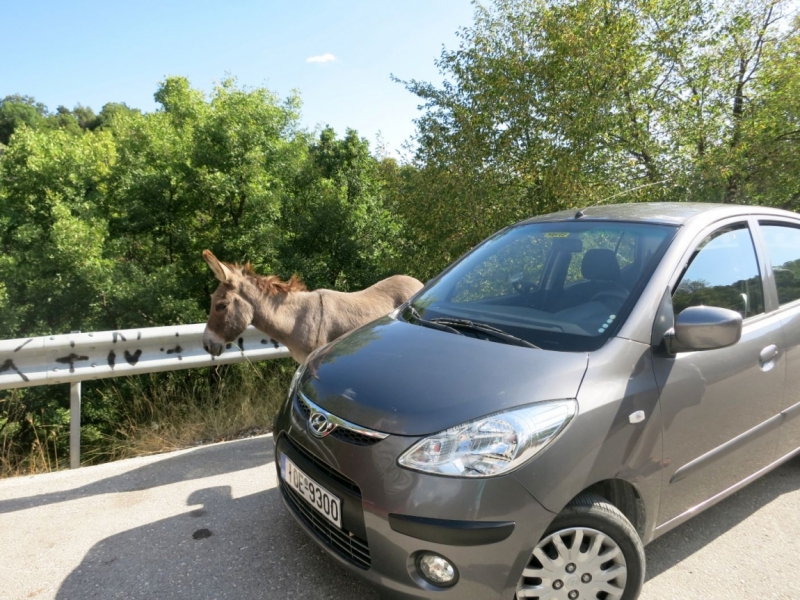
325	503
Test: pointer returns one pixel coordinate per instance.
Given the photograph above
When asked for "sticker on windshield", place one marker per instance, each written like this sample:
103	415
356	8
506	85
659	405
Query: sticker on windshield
556	234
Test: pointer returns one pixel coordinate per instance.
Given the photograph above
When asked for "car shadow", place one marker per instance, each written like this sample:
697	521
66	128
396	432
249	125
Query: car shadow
247	547
701	530
205	461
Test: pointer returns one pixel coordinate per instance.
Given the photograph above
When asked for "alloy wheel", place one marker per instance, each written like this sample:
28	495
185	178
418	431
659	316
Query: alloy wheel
572	564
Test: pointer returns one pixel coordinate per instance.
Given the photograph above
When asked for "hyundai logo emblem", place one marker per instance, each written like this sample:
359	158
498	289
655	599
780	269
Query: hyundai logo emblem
319	425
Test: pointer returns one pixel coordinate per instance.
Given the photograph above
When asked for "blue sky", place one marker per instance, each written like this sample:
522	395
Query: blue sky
91	52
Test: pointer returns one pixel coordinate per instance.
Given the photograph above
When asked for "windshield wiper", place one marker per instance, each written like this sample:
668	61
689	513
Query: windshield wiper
483	328
431	324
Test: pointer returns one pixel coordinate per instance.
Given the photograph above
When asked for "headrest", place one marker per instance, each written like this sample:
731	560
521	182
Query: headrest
600	264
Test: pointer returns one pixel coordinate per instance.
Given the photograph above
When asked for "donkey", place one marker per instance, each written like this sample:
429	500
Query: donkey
290	314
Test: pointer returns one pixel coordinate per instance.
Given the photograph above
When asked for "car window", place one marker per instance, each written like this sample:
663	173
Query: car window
520	261
783	247
723	272
562	285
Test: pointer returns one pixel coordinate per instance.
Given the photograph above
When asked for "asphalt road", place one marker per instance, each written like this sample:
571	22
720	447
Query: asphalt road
208	524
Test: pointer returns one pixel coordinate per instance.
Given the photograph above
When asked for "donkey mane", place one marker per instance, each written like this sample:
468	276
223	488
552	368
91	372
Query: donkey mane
271	284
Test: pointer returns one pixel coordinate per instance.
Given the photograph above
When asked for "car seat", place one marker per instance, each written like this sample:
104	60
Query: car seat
601	274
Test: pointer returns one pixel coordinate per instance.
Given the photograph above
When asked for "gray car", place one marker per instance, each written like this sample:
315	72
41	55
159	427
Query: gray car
574	387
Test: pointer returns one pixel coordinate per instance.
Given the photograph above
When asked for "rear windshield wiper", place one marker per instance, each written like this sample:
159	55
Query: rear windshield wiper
483	328
431	324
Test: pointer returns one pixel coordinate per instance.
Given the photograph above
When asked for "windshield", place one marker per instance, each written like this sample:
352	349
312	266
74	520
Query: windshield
560	286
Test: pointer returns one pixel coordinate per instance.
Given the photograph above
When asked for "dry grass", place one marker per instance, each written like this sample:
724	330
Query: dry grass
181	415
41	457
158	413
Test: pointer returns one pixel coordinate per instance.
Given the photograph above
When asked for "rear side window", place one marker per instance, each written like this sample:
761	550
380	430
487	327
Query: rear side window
783	247
723	272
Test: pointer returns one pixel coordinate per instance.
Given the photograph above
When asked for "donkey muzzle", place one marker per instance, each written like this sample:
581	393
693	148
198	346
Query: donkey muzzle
212	343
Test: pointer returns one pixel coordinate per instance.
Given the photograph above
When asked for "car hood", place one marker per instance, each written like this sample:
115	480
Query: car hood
405	379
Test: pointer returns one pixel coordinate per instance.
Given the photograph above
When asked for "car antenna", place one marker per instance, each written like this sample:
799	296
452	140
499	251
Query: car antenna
623	192
579	214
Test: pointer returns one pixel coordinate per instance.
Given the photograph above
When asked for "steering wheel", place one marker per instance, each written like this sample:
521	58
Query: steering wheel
520	285
614	299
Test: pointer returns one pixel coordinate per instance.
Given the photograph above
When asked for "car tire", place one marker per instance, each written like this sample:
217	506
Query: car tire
590	551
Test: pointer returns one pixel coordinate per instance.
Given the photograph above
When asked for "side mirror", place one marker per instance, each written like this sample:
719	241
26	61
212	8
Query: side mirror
704	328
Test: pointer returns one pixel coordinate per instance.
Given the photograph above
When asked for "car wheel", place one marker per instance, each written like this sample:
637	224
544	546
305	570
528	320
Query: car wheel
590	551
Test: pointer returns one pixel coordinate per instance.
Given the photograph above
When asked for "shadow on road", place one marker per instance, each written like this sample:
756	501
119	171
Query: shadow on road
247	547
205	461
696	533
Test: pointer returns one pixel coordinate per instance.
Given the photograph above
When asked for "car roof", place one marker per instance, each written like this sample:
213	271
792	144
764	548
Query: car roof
671	213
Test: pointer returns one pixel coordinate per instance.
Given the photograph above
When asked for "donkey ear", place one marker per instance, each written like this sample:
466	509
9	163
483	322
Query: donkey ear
221	272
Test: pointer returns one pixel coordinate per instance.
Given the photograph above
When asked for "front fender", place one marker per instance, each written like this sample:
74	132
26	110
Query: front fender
601	443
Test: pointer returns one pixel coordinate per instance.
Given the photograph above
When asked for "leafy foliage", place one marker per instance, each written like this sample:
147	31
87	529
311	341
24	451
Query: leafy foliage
103	219
554	104
339	230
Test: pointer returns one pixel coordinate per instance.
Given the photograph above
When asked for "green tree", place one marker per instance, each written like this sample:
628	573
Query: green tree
111	111
338	230
64	119
86	118
18	110
553	104
196	174
766	157
112	220
52	232
246	153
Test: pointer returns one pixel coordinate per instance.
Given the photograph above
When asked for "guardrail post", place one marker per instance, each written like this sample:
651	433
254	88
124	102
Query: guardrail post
75	425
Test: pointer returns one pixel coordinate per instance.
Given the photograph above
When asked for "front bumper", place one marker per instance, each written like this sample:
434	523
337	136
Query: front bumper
486	527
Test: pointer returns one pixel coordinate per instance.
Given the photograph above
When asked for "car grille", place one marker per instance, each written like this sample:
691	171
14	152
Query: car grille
330	472
345	544
353	437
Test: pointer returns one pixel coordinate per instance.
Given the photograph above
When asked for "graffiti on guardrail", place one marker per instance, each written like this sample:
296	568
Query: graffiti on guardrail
94	355
10	366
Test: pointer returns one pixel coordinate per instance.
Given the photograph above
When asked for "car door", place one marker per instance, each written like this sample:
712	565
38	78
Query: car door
782	243
720	406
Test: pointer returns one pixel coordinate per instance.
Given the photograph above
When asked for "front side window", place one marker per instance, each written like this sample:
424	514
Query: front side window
723	272
561	286
783	246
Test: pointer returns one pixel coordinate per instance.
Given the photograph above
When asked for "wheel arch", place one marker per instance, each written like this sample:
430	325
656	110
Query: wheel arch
625	497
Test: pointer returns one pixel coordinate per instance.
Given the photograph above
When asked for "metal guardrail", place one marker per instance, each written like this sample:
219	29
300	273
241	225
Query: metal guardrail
77	357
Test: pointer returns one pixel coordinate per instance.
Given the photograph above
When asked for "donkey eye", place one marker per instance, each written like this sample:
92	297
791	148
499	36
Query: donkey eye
221	306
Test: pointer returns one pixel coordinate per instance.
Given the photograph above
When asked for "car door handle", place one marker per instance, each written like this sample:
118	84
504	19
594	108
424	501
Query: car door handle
767	354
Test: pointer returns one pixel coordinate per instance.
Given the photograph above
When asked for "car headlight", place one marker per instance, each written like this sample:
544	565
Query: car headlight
491	445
